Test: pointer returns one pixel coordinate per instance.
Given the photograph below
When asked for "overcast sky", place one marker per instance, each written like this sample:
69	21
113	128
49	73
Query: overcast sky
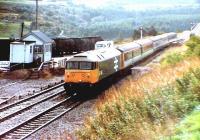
132	4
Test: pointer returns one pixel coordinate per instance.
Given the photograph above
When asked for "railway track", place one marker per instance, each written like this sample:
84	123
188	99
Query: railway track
14	109
37	122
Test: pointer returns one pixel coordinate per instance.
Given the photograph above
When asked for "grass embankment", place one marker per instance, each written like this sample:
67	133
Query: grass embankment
149	107
189	128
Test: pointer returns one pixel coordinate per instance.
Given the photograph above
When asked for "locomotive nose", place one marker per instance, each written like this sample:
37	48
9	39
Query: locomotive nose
81	76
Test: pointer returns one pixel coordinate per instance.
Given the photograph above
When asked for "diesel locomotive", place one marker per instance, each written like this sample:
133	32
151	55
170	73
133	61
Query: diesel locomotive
89	68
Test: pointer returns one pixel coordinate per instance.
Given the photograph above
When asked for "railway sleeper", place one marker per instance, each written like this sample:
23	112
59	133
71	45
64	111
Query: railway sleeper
30	127
15	136
35	123
22	133
50	116
25	129
34	126
44	120
9	138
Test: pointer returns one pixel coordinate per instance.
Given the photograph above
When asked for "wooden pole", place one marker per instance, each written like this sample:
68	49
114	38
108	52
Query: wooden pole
36	20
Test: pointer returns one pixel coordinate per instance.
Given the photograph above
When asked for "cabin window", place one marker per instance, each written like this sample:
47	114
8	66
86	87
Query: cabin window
31	47
47	48
38	49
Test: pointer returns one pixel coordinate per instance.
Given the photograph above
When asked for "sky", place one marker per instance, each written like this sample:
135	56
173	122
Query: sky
133	4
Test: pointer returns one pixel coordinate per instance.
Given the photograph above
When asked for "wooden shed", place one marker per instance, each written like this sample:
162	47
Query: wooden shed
21	52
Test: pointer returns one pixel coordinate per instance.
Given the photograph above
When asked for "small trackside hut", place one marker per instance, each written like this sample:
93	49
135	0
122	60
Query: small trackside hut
21	52
42	47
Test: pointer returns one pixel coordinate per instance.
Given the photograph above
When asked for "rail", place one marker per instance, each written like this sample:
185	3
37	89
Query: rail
32	125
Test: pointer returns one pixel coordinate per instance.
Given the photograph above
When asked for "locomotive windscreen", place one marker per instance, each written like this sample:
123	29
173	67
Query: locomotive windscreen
80	65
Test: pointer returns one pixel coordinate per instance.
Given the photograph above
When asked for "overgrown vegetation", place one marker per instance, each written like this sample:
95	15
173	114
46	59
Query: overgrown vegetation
189	128
148	107
193	49
140	116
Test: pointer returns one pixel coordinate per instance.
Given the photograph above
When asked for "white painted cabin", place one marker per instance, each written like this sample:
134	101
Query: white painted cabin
43	45
21	52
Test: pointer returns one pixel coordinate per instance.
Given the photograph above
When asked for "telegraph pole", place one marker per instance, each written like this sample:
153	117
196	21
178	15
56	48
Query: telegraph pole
36	17
141	32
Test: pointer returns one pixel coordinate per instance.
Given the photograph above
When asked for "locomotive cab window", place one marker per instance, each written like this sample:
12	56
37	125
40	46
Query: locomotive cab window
81	65
85	65
72	65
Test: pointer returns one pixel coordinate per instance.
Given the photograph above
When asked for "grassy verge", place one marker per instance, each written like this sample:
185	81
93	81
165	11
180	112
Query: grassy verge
193	49
148	107
188	129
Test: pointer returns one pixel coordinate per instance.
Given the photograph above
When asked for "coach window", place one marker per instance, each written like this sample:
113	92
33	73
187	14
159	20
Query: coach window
146	48
128	55
137	52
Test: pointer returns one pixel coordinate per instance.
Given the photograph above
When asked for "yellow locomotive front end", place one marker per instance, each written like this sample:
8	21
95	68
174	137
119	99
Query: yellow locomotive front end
80	74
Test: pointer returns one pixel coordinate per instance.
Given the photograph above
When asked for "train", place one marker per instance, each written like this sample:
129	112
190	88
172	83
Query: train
89	68
65	45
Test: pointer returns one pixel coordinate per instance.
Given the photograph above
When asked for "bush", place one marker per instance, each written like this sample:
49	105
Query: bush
189	128
193	46
172	59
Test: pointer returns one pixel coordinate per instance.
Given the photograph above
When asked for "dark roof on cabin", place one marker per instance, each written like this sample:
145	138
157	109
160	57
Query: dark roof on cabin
40	35
22	42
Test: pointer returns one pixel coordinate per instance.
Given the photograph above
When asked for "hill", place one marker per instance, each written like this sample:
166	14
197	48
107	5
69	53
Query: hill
113	20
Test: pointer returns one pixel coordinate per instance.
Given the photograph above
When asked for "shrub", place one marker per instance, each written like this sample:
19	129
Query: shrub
193	46
172	59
